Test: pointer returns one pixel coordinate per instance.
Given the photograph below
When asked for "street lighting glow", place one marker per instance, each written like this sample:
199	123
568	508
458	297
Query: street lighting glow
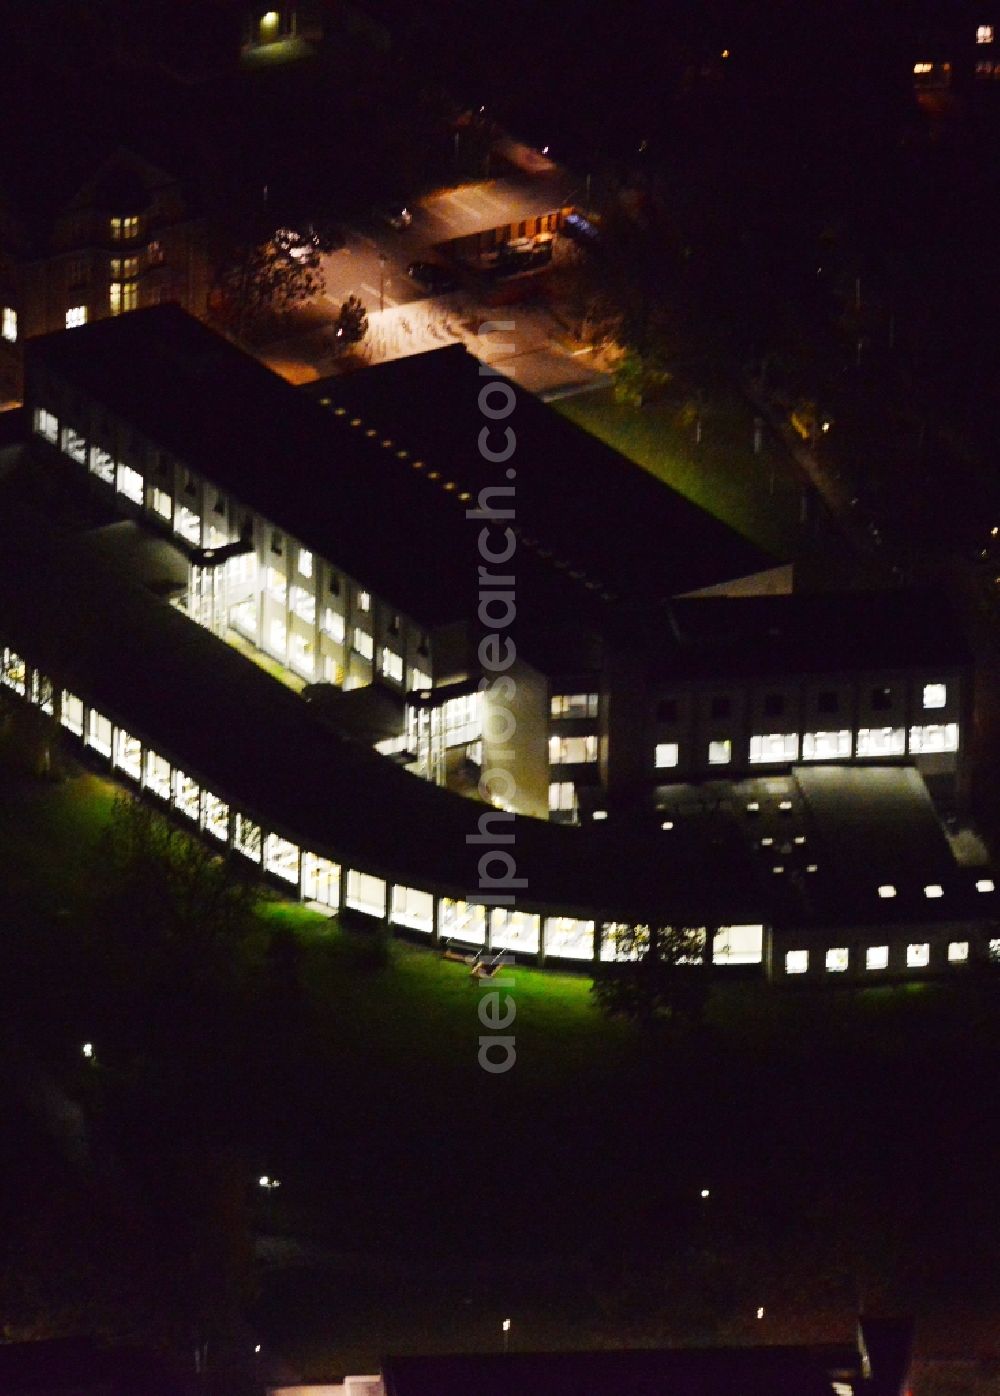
506	1325
88	1050
268	1183
705	1192
760	1312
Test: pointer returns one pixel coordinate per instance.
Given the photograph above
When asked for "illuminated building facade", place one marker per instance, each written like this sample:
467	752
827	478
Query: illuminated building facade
319	532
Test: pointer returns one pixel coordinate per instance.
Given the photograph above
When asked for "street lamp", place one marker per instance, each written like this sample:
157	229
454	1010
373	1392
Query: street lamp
505	1328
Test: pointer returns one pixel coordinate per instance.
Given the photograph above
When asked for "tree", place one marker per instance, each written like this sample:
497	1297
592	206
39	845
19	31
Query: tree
261	281
658	977
166	910
351	325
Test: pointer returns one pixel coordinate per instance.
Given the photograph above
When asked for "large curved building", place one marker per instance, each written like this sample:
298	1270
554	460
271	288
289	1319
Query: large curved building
192	498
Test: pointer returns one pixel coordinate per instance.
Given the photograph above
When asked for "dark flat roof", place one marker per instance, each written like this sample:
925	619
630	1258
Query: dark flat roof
838	833
575	495
810	633
751	1371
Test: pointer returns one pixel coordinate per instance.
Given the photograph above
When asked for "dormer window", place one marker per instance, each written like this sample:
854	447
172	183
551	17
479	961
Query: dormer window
984	34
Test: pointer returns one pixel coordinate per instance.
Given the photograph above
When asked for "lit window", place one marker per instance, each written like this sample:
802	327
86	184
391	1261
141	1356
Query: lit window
918	956
738	945
130	483
958	951
76	316
569	938
667	754
720	753
984	884
278	638
364	601
774	747
332	624
46	425
984	33
102	464
303	604
71	714
124	229
886	891
122	296
600	815
305	562
124	268
277	585
8	324
920	69
418	679
881	741
162	504
301	655
188	525
837	959
796	961
935	695
573	705
73	444
934	736
826	746
572	750
877	957
392	664
363	643
994	950
562	797
934	890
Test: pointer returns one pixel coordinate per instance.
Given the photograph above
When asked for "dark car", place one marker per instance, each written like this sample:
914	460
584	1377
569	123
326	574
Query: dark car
580	229
432	277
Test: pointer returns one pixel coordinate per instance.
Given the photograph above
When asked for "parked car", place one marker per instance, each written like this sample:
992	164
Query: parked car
580	229
396	216
432	276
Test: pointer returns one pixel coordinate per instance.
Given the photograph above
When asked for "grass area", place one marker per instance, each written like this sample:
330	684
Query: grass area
758	496
847	1140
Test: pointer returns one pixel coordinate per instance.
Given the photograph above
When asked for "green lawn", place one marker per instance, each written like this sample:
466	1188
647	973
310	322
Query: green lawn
846	1140
758	496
